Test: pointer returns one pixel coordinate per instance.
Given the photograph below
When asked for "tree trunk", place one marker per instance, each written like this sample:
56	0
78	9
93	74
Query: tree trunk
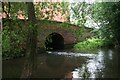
31	43
6	12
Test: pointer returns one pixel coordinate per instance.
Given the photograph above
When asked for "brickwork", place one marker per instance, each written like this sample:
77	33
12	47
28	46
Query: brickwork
69	33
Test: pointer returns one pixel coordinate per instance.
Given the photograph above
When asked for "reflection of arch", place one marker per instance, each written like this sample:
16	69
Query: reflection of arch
54	41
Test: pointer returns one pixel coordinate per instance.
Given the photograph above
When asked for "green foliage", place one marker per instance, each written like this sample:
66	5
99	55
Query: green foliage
48	10
107	14
49	41
79	12
30	27
16	8
89	44
64	25
65	7
13	41
49	38
104	14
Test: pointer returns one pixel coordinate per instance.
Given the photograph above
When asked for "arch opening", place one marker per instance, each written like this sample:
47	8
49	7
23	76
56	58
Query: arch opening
54	41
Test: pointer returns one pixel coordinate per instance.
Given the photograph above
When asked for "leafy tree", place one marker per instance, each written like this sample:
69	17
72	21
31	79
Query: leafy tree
79	14
13	11
6	10
13	41
43	10
104	14
107	14
80	11
48	10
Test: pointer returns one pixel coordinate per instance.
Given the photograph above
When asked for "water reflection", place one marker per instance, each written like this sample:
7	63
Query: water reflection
110	54
55	62
70	65
55	65
72	54
97	67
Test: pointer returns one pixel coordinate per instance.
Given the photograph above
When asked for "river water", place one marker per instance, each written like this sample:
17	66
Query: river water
63	64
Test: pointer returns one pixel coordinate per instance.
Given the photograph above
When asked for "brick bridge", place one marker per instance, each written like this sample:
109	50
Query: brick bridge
69	32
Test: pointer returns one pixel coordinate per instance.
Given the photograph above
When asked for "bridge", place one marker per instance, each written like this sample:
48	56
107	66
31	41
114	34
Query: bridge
56	34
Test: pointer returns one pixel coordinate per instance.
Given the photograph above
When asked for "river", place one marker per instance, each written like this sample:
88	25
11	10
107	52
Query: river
64	64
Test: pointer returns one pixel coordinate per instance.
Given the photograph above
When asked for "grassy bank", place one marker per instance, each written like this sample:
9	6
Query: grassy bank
90	45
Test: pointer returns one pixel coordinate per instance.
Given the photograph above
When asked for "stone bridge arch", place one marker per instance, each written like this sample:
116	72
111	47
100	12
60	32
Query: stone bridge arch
69	32
54	41
68	36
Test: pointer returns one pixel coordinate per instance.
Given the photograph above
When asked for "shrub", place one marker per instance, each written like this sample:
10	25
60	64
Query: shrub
13	41
89	44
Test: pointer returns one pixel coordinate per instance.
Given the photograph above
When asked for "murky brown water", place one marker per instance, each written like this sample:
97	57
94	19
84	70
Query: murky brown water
104	64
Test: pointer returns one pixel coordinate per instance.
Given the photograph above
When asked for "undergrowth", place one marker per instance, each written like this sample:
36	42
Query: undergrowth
89	45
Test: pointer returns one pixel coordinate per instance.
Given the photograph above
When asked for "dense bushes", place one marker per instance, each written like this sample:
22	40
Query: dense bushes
89	44
13	40
93	44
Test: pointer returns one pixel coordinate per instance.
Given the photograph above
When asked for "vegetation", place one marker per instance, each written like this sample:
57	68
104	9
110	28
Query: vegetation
19	37
89	45
15	37
13	41
107	16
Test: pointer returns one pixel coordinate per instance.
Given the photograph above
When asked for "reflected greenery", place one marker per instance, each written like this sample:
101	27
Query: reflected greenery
101	65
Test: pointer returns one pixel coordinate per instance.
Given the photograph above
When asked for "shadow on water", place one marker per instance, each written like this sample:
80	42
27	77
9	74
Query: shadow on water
104	64
54	65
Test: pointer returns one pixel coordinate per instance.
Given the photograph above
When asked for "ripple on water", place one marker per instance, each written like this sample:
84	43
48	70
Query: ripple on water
92	68
73	54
